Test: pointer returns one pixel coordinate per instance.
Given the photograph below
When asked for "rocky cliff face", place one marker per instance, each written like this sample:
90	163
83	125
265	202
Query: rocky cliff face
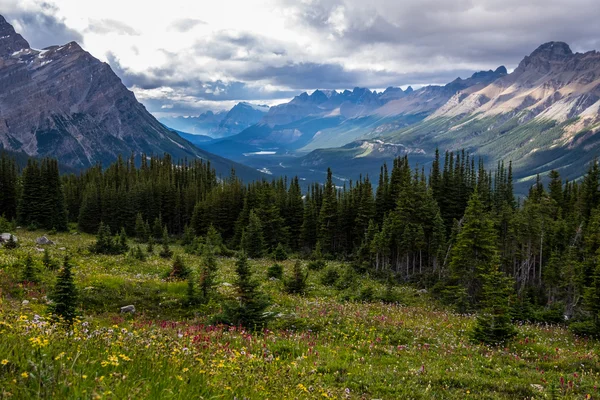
63	102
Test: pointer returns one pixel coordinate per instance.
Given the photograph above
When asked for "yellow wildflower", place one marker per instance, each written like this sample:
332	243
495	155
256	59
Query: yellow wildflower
4	362
24	374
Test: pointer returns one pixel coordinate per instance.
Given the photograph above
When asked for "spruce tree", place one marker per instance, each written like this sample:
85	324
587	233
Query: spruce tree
494	324
64	295
208	274
191	293
49	263
29	271
474	250
252	238
179	270
280	254
140	229
166	251
249	308
328	216
297	282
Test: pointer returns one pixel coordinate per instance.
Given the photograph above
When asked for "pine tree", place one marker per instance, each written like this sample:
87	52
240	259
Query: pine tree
328	216
64	295
29	271
49	263
157	228
11	243
179	270
191	295
208	274
141	233
166	251
494	324
280	254
252	238
474	250
297	282
249	309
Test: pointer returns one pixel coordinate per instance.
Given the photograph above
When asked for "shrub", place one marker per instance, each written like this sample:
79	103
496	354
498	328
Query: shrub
179	270
280	254
330	276
297	282
316	265
275	271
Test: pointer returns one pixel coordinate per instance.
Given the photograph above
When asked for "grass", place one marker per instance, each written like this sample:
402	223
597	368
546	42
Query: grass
321	345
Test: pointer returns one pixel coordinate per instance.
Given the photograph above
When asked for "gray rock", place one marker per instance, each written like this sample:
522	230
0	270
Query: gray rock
128	309
43	241
5	237
422	291
25	302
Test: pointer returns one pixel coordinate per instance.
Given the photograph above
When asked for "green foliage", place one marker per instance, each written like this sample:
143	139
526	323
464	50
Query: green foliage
64	296
275	271
296	283
141	228
494	324
249	308
48	262
138	253
316	265
165	251
208	274
179	270
330	276
280	254
107	244
253	242
30	273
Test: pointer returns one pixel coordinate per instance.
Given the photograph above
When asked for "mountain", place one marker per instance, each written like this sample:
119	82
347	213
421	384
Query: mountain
221	124
544	115
203	124
328	118
64	103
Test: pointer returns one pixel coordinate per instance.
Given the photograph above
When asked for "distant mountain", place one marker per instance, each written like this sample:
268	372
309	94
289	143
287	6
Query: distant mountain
204	124
329	118
221	124
64	103
544	115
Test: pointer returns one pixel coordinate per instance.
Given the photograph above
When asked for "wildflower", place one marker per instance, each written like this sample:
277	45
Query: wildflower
84	376
4	362
179	377
24	375
124	357
61	355
186	369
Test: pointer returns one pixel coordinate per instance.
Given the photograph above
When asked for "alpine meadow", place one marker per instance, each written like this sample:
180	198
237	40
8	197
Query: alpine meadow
215	206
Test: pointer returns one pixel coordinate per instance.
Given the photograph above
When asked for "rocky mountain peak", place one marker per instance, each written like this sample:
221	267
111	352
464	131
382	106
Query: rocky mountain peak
10	41
545	56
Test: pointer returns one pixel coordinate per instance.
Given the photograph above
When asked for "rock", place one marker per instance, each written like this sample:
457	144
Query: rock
5	237
128	309
43	241
39	250
422	291
25	302
62	248
227	284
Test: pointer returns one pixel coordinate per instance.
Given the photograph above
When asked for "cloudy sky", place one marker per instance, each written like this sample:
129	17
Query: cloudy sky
181	57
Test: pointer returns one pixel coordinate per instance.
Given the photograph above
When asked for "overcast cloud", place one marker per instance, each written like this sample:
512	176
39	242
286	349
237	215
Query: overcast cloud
186	56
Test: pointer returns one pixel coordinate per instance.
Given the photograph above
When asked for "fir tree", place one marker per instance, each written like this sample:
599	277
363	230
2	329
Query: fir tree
252	238
475	248
191	294
47	261
141	233
249	309
11	243
64	295
494	324
179	270
297	282
29	271
166	251
208	274
280	254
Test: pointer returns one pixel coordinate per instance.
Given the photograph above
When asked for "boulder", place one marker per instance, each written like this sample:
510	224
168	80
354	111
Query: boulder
5	237
43	241
128	309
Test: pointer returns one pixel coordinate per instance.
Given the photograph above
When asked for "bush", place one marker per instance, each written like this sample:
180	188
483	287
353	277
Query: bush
280	254
330	276
179	270
275	271
297	282
366	294
316	265
347	279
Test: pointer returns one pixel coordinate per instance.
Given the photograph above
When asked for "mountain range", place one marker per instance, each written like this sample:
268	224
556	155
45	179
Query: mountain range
543	115
64	103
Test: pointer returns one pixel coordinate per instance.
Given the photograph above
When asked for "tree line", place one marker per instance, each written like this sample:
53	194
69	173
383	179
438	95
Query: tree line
451	228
